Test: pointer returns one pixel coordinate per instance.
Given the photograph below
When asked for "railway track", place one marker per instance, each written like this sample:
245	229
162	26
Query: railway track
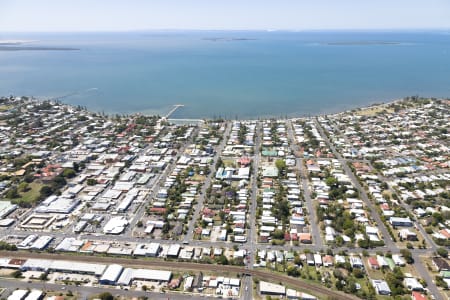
175	265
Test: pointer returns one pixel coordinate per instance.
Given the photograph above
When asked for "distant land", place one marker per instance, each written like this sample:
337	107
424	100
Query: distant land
31	48
17	45
220	39
362	43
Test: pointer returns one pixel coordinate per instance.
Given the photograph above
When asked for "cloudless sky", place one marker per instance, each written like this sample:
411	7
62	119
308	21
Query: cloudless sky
124	15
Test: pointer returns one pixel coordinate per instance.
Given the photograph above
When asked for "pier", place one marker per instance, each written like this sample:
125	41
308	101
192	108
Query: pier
175	107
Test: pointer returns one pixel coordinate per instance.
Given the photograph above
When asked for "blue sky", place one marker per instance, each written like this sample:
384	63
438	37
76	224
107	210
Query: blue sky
124	15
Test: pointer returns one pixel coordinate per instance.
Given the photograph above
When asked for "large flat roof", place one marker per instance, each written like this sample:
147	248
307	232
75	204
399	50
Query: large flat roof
65	266
271	288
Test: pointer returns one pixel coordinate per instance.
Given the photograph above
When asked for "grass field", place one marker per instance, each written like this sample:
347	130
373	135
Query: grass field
5	107
30	195
371	111
197	177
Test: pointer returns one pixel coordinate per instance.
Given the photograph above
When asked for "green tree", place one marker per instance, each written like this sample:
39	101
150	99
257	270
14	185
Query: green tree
58	182
407	255
106	296
222	260
45	191
16	274
331	181
278	234
358	273
69	173
12	193
442	252
281	165
293	271
91	181
43	276
23	186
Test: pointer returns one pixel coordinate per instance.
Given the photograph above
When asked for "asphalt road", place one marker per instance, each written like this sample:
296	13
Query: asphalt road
196	215
84	292
314	224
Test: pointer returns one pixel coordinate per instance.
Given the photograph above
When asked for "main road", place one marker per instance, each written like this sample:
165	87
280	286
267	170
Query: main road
196	215
251	243
312	216
85	292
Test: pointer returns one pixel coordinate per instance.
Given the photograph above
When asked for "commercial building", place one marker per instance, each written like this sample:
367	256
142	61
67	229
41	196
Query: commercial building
63	266
116	225
60	205
42	242
111	275
128	275
267	288
18	295
6	207
174	250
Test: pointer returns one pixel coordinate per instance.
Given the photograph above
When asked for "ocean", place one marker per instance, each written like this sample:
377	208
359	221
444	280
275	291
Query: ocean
229	74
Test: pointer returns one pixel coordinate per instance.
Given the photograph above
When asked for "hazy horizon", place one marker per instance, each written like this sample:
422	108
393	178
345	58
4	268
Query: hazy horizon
291	15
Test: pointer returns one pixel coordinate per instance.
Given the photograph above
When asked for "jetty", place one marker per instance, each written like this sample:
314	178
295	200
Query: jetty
175	107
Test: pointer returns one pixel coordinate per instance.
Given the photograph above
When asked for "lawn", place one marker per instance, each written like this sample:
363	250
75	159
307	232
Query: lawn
229	163
5	107
371	111
29	196
197	177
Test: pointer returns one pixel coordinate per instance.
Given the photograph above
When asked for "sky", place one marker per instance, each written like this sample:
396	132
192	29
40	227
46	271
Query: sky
128	15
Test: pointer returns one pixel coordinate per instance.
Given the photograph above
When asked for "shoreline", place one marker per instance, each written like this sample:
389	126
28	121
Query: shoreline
162	111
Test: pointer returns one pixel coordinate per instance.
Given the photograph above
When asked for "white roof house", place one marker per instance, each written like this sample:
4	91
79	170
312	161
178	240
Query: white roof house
381	287
413	284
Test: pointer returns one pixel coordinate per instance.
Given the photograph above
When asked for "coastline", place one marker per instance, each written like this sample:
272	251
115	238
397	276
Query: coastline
163	111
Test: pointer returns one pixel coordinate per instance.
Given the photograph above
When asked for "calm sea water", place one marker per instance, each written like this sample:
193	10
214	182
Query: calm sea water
270	74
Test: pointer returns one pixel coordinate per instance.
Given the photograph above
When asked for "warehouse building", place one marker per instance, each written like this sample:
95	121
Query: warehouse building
111	274
267	288
42	242
60	205
18	295
128	275
6	208
174	251
64	266
115	225
152	275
